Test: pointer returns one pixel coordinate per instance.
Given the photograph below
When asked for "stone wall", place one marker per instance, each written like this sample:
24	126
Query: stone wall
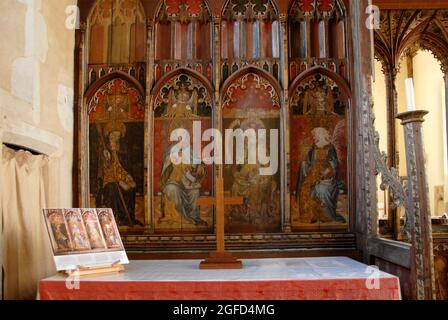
36	87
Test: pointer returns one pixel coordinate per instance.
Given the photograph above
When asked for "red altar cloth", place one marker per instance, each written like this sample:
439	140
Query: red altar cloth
271	279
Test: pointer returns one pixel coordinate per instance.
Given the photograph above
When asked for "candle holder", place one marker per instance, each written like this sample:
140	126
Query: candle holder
412	116
417	207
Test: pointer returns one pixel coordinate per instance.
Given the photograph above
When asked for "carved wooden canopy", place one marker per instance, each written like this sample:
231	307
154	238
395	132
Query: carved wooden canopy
407	31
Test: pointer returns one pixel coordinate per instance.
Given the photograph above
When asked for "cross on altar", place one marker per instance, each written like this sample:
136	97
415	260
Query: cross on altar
220	259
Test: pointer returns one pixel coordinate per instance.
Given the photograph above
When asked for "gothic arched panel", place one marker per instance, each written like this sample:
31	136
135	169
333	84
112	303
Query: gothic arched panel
182	100
116	114
319	157
251	111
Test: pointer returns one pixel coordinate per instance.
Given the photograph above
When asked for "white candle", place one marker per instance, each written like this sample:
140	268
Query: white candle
410	96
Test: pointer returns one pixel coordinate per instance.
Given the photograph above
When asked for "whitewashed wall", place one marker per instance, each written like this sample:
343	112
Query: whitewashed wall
36	87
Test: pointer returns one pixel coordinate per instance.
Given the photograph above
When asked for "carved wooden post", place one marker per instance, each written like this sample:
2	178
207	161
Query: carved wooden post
284	56
392	157
150	57
366	225
417	207
83	133
150	54
285	119
217	120
216	52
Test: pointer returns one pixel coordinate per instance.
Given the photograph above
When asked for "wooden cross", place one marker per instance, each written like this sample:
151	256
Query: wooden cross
220	259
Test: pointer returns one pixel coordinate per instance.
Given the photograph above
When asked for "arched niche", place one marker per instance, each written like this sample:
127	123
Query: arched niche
115	152
182	99
251	100
250	35
318	36
183	37
319	156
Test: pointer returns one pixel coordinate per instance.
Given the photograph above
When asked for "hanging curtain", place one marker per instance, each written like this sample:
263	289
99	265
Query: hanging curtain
26	250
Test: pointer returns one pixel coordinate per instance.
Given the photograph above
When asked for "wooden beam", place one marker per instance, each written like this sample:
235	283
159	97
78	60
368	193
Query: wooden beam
411	4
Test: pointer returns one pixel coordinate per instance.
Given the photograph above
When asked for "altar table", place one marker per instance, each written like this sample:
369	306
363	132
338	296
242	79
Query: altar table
330	278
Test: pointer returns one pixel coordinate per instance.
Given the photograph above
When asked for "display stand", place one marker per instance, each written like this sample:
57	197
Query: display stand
85	271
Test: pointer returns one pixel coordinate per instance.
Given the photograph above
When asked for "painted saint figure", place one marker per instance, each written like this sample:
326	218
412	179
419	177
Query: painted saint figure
78	237
181	187
93	230
112	240
318	184
257	190
182	104
111	235
181	183
117	186
61	236
77	231
61	239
